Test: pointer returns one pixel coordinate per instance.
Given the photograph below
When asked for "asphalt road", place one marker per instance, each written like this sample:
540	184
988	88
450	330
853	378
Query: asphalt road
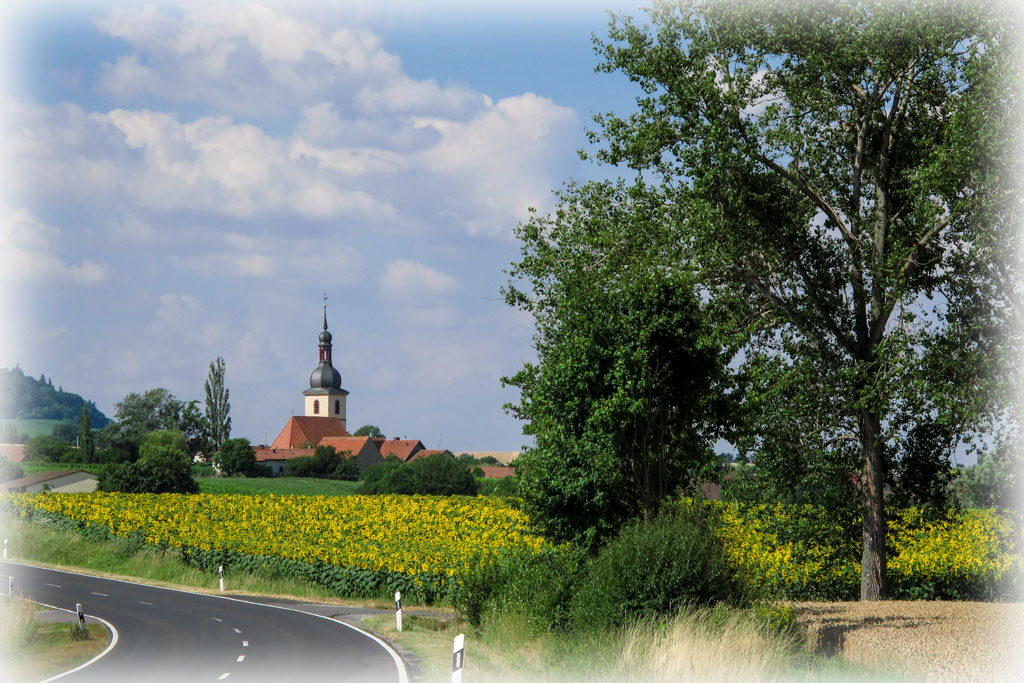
170	636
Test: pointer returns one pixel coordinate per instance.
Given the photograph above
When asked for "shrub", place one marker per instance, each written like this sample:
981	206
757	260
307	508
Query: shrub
237	457
436	475
145	476
655	567
325	463
538	586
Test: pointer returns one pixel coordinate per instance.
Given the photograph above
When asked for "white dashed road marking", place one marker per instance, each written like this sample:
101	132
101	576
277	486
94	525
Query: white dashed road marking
236	630
102	595
216	619
223	676
143	602
53	585
241	658
245	643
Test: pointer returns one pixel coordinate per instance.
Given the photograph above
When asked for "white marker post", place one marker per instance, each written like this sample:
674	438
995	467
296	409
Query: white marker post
5	548
398	610
81	616
458	656
10	586
220	573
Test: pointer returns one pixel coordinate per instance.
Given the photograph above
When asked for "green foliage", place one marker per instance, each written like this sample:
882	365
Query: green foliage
10	470
369	430
237	457
140	414
47	449
164	447
655	567
28	398
64	432
440	474
147	476
325	463
996	481
628	394
218	423
841	198
536	587
86	445
164	466
506	487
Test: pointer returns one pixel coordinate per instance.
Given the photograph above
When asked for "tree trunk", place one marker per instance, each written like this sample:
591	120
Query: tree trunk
874	583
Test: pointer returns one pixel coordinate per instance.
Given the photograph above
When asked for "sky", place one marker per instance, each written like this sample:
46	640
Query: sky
183	181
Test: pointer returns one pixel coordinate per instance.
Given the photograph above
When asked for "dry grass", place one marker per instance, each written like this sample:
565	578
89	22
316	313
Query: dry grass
692	647
942	641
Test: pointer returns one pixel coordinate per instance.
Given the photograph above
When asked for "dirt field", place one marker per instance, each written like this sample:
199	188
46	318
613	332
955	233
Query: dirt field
944	641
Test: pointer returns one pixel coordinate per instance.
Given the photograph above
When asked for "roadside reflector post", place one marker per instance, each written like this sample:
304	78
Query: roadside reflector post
10	586
220	573
398	610
5	548
458	655
81	616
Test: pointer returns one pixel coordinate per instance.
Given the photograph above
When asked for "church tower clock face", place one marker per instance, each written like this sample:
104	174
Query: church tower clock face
325	397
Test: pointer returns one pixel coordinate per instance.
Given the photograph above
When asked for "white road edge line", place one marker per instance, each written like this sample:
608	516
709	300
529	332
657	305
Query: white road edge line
403	674
113	642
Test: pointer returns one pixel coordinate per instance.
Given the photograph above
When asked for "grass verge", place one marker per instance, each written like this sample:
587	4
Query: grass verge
34	651
279	486
719	645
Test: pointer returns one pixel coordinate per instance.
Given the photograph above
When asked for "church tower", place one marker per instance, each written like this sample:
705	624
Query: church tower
325	397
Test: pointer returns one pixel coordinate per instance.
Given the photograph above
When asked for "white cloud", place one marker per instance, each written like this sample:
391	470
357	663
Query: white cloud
409	279
28	253
371	145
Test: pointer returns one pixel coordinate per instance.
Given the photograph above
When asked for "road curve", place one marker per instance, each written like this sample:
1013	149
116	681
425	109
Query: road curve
173	636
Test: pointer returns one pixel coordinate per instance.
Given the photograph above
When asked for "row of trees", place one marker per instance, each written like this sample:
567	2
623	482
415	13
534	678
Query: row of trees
814	257
137	415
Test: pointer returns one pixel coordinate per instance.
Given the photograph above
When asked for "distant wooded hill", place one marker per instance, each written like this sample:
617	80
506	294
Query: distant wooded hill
27	398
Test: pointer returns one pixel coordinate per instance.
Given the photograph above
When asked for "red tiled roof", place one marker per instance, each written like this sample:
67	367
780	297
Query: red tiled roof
498	472
308	429
353	444
14	452
405	449
426	453
263	454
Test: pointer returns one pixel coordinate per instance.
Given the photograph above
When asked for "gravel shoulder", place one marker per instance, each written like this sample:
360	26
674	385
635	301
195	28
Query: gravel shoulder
940	640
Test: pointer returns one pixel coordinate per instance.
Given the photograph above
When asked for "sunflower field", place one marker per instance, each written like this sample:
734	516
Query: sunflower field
805	552
369	546
361	546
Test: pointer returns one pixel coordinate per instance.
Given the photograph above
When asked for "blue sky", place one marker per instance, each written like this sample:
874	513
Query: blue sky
183	180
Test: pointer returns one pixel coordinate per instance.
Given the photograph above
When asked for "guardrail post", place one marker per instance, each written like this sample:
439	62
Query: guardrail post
81	617
398	610
458	655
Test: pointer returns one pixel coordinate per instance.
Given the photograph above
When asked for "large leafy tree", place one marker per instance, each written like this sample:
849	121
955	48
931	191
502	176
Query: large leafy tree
840	178
626	397
218	421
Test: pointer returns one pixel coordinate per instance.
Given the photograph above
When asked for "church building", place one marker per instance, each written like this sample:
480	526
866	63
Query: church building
324	421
